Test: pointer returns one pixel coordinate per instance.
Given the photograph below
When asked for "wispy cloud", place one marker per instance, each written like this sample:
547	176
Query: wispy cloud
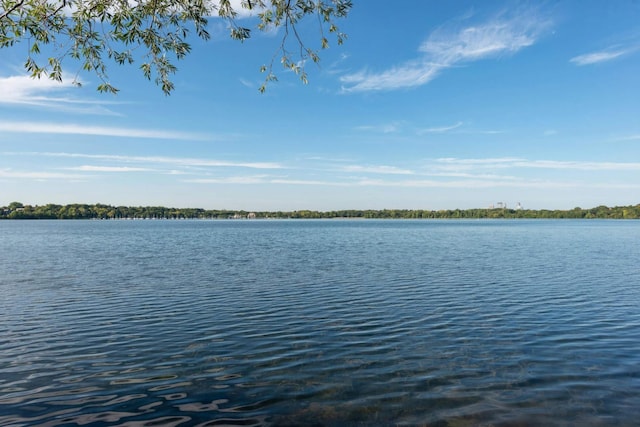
490	161
329	159
337	67
598	57
483	132
174	161
243	12
23	89
308	182
410	74
252	180
440	129
229	180
471	182
450	46
80	129
9	173
508	162
472	175
50	94
585	166
93	168
629	138
445	172
466	183
383	127
382	169
246	83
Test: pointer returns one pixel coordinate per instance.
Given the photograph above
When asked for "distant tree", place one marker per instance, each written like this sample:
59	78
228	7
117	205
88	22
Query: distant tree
155	32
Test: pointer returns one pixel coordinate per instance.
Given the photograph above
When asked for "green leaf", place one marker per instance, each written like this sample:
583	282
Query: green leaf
106	87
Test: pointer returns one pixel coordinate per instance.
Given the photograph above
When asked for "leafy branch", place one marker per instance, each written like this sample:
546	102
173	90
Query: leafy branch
153	31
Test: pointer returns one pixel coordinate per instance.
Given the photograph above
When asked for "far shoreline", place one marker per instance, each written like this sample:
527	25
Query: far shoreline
17	210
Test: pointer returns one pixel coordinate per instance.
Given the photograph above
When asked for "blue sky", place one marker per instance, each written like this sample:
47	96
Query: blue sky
428	105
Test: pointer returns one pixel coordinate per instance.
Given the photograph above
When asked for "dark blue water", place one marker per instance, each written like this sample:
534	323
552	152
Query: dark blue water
325	323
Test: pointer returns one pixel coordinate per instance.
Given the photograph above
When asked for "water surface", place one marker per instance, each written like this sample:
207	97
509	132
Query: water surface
327	323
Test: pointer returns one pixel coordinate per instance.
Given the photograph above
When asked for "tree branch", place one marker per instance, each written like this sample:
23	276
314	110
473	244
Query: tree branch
8	12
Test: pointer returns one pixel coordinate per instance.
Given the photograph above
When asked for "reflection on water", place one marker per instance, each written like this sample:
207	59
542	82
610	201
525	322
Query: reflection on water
327	323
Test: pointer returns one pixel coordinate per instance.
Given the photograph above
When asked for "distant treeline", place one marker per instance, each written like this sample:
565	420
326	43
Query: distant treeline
17	210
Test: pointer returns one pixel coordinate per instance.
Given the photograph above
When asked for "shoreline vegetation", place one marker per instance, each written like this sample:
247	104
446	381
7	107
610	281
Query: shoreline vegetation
17	210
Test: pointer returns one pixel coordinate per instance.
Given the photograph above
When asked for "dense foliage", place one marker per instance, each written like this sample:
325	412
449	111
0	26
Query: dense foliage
17	210
154	33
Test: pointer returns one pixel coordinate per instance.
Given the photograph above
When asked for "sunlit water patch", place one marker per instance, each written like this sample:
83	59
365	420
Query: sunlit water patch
327	323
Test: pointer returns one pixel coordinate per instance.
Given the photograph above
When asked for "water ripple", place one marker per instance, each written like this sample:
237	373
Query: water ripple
319	323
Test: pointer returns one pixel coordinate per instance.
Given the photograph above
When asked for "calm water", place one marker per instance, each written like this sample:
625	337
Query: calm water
326	323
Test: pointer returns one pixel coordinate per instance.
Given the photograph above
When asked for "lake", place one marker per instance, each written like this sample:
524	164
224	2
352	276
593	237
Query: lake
323	323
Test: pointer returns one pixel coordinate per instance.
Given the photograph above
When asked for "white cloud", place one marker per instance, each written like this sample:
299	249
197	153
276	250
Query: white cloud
180	161
577	165
470	184
246	83
9	173
447	47
483	132
383	128
78	129
498	160
242	12
175	161
410	74
307	182
448	172
467	182
337	66
500	36
440	129
261	179
47	93
388	170
24	89
229	180
629	138
597	57
473	176
453	164
92	168
329	159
